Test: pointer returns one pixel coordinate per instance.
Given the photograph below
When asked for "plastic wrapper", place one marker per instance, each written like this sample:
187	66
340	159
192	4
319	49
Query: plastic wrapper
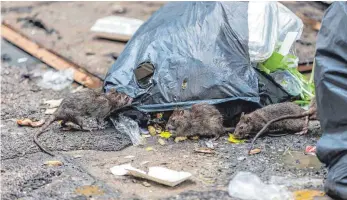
203	52
128	126
56	80
246	185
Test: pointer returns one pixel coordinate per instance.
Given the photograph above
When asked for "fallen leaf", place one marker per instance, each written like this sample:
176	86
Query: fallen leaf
307	194
254	151
149	149
53	163
178	139
152	130
29	122
165	134
89	190
161	141
232	139
195	137
205	150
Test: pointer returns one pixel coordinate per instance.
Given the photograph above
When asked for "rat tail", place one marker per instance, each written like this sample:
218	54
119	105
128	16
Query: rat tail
42	130
272	121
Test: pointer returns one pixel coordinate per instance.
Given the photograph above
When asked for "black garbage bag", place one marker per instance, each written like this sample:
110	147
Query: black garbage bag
331	94
191	52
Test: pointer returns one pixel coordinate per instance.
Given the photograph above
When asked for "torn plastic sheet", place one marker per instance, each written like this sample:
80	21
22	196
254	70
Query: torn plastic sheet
203	52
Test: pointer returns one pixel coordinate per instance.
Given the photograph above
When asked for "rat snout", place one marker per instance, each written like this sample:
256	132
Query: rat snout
237	134
170	128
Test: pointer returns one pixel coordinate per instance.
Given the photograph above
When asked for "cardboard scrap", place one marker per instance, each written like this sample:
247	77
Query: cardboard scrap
160	175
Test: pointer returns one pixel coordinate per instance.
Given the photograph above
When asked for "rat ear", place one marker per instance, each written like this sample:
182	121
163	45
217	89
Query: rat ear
247	118
181	112
242	114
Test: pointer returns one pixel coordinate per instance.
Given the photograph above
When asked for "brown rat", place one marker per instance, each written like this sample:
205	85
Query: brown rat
311	113
89	103
201	120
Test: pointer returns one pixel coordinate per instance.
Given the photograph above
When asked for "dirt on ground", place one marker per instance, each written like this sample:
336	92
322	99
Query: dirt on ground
88	156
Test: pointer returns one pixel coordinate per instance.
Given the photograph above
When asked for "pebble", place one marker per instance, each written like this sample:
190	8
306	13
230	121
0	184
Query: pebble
241	158
146	184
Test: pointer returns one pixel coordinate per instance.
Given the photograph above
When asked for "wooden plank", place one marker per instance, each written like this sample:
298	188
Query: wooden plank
305	68
50	58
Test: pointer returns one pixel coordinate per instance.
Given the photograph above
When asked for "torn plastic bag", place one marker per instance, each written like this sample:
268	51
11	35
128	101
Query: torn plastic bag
330	78
203	52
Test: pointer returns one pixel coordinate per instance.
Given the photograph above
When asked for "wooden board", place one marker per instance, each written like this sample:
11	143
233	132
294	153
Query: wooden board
48	57
305	68
72	22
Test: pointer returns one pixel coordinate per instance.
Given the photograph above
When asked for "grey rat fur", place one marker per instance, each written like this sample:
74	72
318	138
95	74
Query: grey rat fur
85	103
311	113
201	120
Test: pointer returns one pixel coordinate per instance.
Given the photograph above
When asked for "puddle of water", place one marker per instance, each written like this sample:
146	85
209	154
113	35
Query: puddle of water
297	159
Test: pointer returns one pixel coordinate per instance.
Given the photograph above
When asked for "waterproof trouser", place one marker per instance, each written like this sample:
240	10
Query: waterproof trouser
330	76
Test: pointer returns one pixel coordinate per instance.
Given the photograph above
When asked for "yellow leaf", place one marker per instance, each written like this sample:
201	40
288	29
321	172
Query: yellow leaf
232	139
161	141
195	137
149	149
307	194
89	190
152	130
165	134
53	163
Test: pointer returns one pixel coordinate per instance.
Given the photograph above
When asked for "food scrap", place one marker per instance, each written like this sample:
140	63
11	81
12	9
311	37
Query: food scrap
310	150
53	163
29	122
178	139
307	194
254	151
152	130
161	142
232	139
195	137
165	134
149	149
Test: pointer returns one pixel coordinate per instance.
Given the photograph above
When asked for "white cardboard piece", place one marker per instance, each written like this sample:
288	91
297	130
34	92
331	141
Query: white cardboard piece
117	25
157	174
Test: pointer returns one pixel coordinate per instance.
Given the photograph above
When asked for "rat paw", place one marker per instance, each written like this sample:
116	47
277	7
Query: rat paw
301	132
101	127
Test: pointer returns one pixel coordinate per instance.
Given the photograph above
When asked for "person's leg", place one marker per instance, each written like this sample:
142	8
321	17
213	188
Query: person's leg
331	94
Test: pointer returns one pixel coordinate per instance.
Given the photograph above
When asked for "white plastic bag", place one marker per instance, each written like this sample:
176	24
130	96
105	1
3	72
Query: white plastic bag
248	186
